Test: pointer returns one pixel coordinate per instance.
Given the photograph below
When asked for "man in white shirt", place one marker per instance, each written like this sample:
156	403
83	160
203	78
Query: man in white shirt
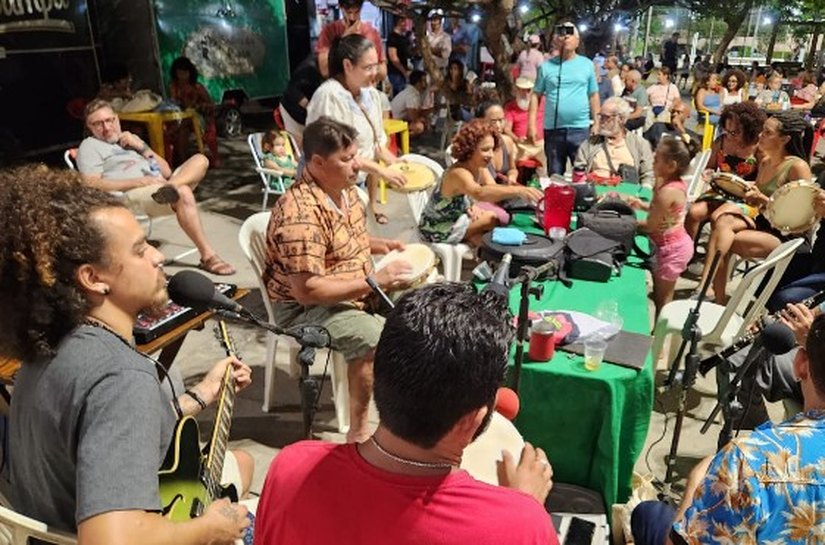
406	105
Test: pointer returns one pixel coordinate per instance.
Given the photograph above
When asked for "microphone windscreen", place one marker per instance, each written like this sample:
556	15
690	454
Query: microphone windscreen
191	289
777	338
507	403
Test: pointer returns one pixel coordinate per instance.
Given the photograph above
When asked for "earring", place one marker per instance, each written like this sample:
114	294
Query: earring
106	291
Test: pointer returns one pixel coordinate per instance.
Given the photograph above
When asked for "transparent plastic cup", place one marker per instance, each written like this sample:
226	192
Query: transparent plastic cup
594	349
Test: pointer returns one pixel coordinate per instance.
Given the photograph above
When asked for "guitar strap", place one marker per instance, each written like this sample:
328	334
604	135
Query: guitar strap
163	374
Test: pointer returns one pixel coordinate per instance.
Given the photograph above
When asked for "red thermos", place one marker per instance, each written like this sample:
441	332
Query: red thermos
556	208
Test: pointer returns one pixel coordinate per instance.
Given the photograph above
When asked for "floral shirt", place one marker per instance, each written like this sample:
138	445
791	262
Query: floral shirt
768	488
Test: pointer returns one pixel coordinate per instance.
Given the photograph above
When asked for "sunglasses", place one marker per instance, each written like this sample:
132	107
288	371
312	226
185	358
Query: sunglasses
565	30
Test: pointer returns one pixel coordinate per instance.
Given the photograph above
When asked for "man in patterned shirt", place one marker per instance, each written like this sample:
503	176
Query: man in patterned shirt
768	487
319	259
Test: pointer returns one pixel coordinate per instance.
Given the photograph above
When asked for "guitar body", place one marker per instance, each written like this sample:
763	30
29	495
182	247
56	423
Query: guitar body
183	494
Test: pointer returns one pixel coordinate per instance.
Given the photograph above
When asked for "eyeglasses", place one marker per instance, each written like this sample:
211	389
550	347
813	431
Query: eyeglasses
565	30
371	67
606	117
102	122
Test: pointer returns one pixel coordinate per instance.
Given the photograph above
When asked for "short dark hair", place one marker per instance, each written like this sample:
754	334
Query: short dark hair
815	348
325	136
416	76
350	3
183	63
350	47
443	353
676	150
481	111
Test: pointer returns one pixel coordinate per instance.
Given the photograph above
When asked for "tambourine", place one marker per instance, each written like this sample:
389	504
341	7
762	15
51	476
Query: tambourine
419	177
730	186
791	208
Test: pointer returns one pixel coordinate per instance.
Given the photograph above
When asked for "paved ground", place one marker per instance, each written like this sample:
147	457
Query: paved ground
231	194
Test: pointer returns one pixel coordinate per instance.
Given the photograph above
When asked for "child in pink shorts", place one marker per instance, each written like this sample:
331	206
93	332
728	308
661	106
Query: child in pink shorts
665	224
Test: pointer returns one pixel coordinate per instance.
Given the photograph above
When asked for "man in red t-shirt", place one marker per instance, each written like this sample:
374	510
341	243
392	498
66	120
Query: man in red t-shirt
350	24
442	355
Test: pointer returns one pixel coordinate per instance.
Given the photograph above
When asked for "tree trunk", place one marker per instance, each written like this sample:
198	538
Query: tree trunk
495	26
809	62
772	42
734	22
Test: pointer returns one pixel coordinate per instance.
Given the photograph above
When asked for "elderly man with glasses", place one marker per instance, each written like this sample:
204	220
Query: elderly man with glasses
614	149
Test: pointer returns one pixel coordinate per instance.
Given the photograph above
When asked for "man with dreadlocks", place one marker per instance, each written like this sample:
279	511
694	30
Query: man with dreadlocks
90	420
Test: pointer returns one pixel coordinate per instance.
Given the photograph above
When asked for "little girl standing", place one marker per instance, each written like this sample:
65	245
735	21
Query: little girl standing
275	157
665	224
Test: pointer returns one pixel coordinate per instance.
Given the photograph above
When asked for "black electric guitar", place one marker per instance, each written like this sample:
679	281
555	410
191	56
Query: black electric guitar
190	477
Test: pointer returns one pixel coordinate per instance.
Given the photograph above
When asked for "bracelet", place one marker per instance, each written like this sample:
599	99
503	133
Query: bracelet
198	399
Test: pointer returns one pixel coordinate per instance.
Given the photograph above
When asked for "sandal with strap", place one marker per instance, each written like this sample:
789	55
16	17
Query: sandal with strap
216	265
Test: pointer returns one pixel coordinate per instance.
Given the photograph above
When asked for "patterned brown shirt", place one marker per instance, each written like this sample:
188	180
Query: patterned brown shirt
308	233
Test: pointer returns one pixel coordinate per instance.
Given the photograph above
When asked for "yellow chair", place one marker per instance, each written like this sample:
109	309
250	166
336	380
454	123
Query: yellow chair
708	129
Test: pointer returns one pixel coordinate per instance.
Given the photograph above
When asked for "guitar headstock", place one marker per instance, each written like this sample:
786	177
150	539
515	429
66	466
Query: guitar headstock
225	339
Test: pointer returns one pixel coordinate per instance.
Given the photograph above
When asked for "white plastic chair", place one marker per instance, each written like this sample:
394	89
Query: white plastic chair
694	179
268	175
252	239
17	529
70	158
722	325
451	255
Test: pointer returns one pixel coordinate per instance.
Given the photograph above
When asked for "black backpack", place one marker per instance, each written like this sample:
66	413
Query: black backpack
591	256
613	219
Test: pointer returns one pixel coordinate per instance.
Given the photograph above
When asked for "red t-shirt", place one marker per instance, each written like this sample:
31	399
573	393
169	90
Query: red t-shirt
322	493
518	118
337	28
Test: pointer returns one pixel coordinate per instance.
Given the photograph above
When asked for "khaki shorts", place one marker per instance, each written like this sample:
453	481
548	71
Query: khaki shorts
354	332
140	200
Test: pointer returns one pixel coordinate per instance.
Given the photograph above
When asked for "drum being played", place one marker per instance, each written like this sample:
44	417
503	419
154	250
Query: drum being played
730	186
481	457
419	177
791	208
419	256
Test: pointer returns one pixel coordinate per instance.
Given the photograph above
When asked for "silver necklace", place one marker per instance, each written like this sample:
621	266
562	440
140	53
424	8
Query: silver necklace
414	463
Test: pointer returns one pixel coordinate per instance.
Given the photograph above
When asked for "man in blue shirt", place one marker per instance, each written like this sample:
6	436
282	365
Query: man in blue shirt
764	488
568	83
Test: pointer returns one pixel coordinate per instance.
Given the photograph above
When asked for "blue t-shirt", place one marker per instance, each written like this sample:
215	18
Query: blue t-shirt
578	82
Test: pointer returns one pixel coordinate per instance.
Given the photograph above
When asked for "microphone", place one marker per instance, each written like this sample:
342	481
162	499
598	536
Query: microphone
192	289
777	338
499	283
507	403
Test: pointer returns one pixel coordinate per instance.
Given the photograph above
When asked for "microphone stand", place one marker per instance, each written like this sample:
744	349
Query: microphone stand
310	337
526	277
691	336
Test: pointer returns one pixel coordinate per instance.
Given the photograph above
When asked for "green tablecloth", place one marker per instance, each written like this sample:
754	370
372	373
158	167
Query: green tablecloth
592	425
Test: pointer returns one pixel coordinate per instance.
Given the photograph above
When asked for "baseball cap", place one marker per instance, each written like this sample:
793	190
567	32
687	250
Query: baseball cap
435	14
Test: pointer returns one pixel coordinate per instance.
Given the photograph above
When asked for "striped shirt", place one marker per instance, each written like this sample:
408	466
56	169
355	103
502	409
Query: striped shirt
308	233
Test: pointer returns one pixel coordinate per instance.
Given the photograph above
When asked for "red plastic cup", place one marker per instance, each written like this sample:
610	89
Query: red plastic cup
542	342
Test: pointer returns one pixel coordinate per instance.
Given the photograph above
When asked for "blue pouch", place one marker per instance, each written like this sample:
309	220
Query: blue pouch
508	236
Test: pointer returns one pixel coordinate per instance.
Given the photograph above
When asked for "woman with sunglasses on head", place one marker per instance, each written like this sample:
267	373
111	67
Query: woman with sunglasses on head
744	230
348	96
735	152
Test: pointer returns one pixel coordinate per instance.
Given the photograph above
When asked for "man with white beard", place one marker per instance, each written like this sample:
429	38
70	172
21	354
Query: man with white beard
517	121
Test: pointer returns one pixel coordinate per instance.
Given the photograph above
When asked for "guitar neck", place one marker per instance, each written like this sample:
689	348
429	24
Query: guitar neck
223	420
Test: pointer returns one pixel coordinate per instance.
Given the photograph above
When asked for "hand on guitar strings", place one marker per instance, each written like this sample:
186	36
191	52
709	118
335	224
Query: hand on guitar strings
209	388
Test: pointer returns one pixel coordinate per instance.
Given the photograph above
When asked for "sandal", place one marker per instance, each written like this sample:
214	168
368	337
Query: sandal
381	219
166	195
216	265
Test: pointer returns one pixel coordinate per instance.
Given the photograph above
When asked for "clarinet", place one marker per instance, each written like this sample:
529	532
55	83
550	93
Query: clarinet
750	335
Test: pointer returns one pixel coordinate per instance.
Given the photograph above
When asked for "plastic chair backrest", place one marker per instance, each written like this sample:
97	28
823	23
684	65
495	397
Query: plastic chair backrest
696	183
17	529
70	157
742	301
418	200
252	240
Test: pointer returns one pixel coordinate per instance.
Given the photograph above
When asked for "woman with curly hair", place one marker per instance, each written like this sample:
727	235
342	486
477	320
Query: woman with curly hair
449	216
734	152
744	230
75	270
734	87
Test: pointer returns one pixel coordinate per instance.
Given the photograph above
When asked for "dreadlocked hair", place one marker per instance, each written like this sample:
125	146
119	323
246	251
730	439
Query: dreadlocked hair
793	125
46	232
